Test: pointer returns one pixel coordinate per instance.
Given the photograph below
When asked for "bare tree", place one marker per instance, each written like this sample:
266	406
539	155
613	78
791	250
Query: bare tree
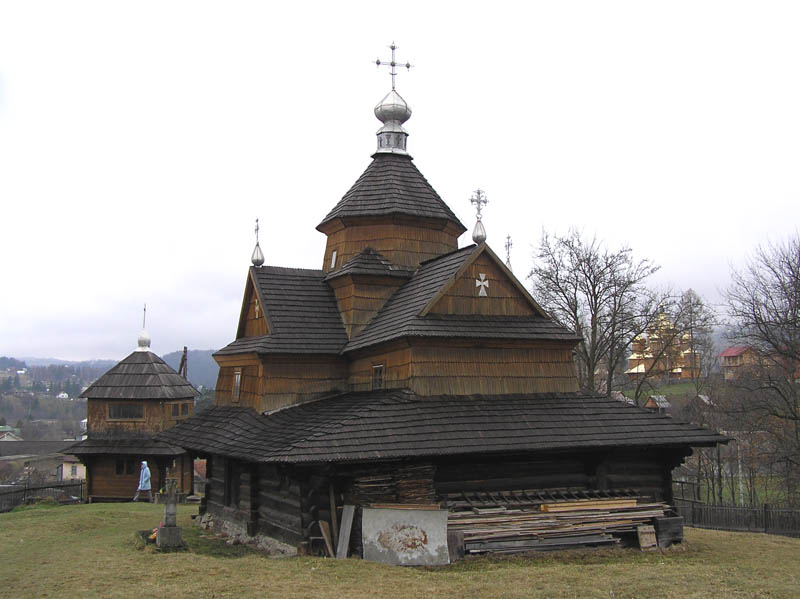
598	293
678	330
764	306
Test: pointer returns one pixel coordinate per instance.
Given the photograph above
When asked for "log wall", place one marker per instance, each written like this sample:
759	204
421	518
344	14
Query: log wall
503	297
648	472
453	370
107	484
406	244
280	499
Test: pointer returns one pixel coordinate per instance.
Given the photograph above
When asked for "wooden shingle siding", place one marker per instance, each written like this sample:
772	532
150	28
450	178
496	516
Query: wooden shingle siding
154	418
396	372
359	298
255	323
288	380
448	370
249	386
402	244
503	298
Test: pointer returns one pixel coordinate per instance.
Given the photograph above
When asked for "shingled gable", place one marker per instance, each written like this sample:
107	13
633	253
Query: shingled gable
301	314
404	315
506	274
373	426
142	375
391	185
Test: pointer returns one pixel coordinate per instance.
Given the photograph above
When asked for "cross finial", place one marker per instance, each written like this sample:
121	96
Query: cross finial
392	63
144	316
509	245
256	230
479	200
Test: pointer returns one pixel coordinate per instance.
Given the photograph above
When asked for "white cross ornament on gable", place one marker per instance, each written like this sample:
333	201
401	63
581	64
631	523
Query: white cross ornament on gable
483	283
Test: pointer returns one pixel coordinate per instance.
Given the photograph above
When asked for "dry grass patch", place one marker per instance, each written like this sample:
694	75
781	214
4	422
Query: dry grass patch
90	551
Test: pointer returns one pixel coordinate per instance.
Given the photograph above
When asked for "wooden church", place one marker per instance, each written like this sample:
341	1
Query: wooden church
408	370
126	408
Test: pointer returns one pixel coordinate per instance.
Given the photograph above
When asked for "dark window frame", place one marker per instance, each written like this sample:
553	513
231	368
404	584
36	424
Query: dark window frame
126	411
237	384
378	380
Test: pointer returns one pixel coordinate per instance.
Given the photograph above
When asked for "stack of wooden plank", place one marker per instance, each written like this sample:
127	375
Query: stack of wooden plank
554	525
414	484
373	489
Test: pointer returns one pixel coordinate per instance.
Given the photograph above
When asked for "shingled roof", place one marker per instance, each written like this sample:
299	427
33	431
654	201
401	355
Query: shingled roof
142	375
399	317
301	312
372	263
382	425
392	185
123	443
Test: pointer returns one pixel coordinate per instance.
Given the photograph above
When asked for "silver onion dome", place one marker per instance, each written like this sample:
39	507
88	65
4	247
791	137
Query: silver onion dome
392	111
143	341
258	256
479	233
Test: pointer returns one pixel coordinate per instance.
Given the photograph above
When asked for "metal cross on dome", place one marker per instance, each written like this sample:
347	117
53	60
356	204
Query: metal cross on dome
483	283
480	200
509	245
392	63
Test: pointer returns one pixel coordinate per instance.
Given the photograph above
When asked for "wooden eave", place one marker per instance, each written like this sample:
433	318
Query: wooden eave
483	249
436	224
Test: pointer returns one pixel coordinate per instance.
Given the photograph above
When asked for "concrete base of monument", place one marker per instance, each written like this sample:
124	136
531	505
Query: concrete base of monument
170	537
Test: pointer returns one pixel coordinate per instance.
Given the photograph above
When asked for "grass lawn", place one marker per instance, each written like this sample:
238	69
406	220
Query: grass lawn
89	551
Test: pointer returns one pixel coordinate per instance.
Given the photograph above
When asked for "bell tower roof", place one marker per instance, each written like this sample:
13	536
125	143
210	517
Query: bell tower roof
392	185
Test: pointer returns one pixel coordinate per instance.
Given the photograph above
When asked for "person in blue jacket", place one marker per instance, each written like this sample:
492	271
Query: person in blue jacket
144	482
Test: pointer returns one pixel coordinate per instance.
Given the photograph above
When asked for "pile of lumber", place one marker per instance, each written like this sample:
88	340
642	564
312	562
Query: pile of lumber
406	484
414	484
373	489
554	525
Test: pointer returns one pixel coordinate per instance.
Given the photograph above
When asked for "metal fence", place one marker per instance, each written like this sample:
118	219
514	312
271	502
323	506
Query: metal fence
68	492
773	520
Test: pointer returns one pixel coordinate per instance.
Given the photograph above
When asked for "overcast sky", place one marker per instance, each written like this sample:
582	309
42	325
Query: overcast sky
140	140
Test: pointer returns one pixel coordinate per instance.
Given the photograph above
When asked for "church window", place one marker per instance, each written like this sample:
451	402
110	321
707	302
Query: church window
237	384
184	409
74	470
125	411
377	377
125	467
175	410
333	258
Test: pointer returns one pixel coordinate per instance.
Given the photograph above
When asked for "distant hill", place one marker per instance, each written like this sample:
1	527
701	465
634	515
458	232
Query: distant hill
202	369
104	364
